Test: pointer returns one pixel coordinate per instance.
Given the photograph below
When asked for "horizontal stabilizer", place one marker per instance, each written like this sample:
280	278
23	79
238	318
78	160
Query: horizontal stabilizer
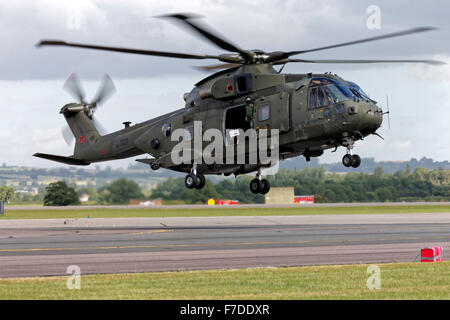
146	161
66	160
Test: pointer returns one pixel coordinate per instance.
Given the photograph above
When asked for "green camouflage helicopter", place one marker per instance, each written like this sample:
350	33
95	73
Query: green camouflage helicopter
309	113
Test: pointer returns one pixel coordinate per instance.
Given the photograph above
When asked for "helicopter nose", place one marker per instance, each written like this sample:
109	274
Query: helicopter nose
371	118
366	118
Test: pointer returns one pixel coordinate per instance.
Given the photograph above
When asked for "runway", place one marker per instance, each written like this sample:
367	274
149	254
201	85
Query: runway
48	246
239	206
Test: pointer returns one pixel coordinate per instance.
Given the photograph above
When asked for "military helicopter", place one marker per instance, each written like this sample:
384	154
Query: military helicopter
312	112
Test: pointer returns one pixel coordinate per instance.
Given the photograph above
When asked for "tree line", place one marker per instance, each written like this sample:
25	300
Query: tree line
418	185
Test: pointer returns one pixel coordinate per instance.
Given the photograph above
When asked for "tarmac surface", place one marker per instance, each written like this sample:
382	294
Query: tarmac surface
122	245
200	206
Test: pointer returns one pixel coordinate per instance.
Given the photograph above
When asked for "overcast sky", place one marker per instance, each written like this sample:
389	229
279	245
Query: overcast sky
31	79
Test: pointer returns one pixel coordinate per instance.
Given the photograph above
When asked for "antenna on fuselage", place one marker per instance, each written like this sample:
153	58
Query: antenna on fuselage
387	112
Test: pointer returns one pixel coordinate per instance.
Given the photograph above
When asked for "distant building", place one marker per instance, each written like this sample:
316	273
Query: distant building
135	202
84	197
280	196
224	202
304	199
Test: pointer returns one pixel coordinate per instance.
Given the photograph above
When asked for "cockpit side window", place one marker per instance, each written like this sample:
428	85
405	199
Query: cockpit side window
323	100
313	98
334	94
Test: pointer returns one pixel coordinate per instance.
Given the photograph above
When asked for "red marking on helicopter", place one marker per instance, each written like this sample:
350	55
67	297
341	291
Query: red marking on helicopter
81	139
229	88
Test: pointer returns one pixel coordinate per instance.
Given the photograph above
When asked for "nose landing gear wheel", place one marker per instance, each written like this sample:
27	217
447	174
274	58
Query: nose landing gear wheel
347	160
351	160
356	161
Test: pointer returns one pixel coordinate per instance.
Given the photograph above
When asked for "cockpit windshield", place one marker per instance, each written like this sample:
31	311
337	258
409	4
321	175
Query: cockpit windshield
358	91
324	91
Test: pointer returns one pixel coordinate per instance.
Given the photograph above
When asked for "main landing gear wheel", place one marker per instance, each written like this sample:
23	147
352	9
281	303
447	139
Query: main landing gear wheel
351	160
255	185
195	181
259	186
265	186
200	182
190	181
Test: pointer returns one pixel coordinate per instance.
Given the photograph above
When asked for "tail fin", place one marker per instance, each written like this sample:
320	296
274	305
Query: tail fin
84	132
82	128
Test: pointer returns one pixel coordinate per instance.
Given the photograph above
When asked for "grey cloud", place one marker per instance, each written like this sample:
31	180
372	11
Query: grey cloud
268	25
148	85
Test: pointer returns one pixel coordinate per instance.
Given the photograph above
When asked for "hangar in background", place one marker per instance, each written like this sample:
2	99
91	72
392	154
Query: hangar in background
286	195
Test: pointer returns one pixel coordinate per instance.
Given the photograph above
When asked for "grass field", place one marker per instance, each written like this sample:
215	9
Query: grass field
214	211
398	281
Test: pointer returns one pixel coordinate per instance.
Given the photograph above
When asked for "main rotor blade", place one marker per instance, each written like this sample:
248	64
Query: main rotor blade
432	62
218	66
205	31
105	91
74	87
284	55
125	50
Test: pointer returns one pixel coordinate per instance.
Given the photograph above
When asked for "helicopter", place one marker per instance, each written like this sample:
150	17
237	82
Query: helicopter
309	113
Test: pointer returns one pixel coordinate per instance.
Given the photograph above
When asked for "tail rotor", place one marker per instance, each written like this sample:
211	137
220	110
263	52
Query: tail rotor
75	89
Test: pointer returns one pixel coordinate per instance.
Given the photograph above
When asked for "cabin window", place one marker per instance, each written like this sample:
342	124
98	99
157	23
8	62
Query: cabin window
242	84
264	112
236	118
166	129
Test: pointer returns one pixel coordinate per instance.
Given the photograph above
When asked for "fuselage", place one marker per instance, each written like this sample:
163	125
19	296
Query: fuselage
313	112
